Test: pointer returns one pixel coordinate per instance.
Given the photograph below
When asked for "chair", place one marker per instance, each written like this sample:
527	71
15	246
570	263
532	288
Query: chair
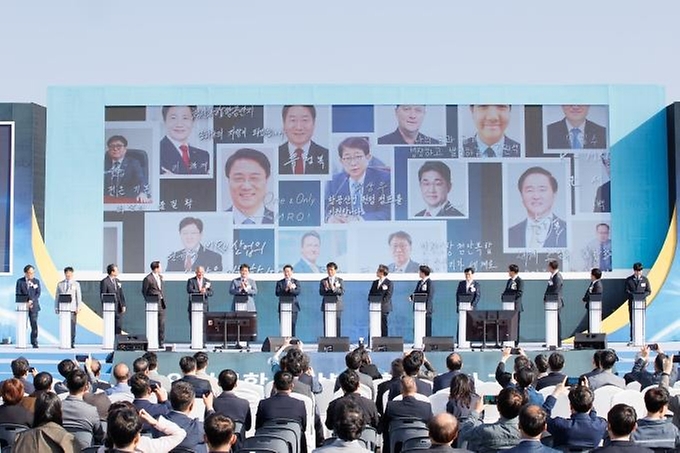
83	438
439	400
198	411
547	391
488	388
401	430
369	437
562	407
323	399
289	430
416	443
632	398
268	388
9	431
182	450
265	444
253	401
365	391
603	398
309	407
634	385
92	449
245	385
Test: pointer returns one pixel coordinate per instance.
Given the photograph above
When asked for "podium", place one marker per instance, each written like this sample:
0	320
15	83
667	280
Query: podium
64	302
152	320
330	316
485	326
374	315
594	313
464	306
508	302
286	315
419	314
22	319
639	313
109	316
552	309
231	326
197	301
241	302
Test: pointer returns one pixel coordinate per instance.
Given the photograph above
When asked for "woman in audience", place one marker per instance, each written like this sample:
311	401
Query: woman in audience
47	435
12	391
462	397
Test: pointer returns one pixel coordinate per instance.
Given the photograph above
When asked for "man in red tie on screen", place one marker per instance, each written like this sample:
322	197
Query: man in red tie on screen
177	156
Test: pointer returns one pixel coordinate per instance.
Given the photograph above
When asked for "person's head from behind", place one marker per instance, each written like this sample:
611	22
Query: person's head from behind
400	245
397	367
140	365
510	401
532	421
182	396
152	359
310	246
283	381
595	274
409	119
12	391
581	399
201	360
188	365
607	359
19	367
139	385
621	421
353	360
658	362
525	377
408	385
424	271
350	422
227	380
597	359
355	153
191	233
298	123
219	432
541	362
462	388
521	361
413	362
179	121
556	362
77	382
538	188
121	373
65	367
47	409
491	122
434	178
454	362
248	172
42	381
96	367
123	426
656	401
116	147
349	381
443	429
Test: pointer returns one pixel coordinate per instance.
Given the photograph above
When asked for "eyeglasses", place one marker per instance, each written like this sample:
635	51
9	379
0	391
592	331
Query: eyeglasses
116	147
350	159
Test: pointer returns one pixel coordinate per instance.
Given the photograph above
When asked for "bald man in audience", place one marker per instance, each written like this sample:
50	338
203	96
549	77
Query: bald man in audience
443	430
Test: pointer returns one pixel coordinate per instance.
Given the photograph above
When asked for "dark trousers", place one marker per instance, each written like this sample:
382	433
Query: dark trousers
428	325
383	324
33	319
161	325
630	320
118	322
74	322
519	316
294	315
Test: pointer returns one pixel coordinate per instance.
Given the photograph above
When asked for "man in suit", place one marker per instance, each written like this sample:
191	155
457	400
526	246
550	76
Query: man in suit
409	120
182	397
434	178
575	131
555	377
244	286
532	424
499	435
603	193
248	171
332	287
300	155
348	426
20	369
400	243
621	422
490	140
177	156
70	286
199	285
79	415
608	359
220	434
443	431
598	252
407	407
28	286
382	288
194	252
637	286
425	288
542	228
514	288
124	177
469	286
152	290
349	382
359	192
111	285
454	363
187	365
230	405
595	287
413	363
289	287
310	247
554	289
655	430
282	406
142	389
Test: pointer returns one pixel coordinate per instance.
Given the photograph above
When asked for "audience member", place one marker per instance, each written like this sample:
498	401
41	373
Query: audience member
202	373
12	391
349	382
347	426
607	377
462	396
621	422
454	363
367	366
443	429
20	369
525	377
556	363
64	367
47	434
219	434
412	364
504	378
396	371
154	375
282	405
640	374
79	416
597	368
674	401
655	430
407	407
42	383
182	396
353	362
188	366
532	421
230	405
489	437
541	362
120	391
96	368
142	389
124	426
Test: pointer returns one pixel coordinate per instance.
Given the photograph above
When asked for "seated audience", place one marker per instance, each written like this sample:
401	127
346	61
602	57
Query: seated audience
232	406
64	367
443	430
412	365
20	369
606	377
121	390
47	434
282	405
621	422
182	397
504	378
556	363
367	366
42	383
655	430
407	407
95	367
532	421
349	382
525	378
348	426
353	362
154	375
462	396
124	427
542	367
80	417
597	368
489	437
142	389
12	391
396	371
219	434
640	374
188	366
202	373
454	363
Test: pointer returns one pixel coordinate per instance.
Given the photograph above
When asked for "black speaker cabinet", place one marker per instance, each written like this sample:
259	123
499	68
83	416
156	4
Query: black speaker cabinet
590	341
272	344
438	343
333	344
387	344
131	343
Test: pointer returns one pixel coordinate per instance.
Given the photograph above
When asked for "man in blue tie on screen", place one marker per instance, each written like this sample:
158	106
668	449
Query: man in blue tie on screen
574	131
248	171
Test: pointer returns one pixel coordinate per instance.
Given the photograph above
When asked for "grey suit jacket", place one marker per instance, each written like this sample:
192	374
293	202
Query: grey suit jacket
81	416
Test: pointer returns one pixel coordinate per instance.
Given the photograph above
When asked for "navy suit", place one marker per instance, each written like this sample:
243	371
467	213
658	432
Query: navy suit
151	289
282	406
171	160
193	287
411	266
31	288
559	136
595	287
194	439
376	199
282	289
555	283
426	287
623	446
510	148
557	236
639	287
603	198
337	290
443	381
581	430
127	181
552	378
201	386
409	407
211	261
395	138
154	409
316	163
474	289
113	286
531	446
237	409
384	291
446	211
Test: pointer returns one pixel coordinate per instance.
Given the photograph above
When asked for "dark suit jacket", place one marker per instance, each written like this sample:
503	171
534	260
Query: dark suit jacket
193	287
409	407
427	290
267	216
421	387
150	288
334	412
201	386
446	211
516	291
634	287
557	236
193	427
595	287
281	405
620	446
30	288
316	163
443	381
338	290
238	409
475	290
126	182
154	409
555	283
380	391
603	198
559	136
510	148
531	446
384	291
411	266
107	286
551	378
376	199
211	261
282	290
16	413
395	138
171	159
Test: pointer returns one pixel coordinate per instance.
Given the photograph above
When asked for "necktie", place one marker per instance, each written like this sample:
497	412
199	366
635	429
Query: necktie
299	164
357	198
489	152
427	214
603	258
575	141
248	221
187	262
185	155
116	166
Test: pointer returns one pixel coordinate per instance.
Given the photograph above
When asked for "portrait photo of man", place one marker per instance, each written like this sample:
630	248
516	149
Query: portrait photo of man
310	248
434	183
178	157
602	201
575	130
409	121
598	251
125	173
248	173
300	155
194	253
541	228
490	140
401	244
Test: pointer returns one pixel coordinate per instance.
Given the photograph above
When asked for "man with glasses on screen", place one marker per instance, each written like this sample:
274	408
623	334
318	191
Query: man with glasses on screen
490	140
409	120
124	176
434	178
300	155
575	131
248	172
177	156
400	246
194	253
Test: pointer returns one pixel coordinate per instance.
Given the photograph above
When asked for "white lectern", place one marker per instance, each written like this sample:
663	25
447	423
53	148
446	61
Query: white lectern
64	302
508	304
464	306
109	315
286	315
197	301
330	314
152	321
241	302
22	319
374	315
594	313
639	309
419	314
552	309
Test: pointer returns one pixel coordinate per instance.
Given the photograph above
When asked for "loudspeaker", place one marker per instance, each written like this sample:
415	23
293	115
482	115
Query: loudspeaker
387	344
333	344
272	344
590	341
438	343
131	343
